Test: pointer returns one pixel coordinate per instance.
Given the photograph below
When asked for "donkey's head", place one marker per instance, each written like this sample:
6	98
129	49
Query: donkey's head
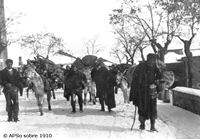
28	71
119	77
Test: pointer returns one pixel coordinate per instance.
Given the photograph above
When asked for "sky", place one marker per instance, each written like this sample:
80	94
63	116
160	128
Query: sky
76	21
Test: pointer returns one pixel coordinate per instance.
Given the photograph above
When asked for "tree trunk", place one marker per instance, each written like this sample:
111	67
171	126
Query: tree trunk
142	54
161	50
153	46
189	62
3	39
132	61
162	53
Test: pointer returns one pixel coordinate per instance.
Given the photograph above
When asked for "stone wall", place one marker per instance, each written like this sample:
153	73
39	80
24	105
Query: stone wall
187	98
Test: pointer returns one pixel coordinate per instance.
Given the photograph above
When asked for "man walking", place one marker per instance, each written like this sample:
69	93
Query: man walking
144	90
74	85
10	81
105	83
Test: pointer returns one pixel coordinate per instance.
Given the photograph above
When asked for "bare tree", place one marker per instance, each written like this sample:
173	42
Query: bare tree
159	26
3	40
42	43
6	32
92	46
118	54
142	52
128	36
5	28
190	12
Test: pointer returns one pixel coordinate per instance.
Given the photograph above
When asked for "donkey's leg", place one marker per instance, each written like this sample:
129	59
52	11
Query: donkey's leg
27	94
53	93
73	102
49	99
80	101
128	94
90	96
40	101
21	90
92	93
85	96
116	89
124	93
94	99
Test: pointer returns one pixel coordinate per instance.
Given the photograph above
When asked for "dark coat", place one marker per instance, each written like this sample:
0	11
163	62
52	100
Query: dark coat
140	93
99	77
74	80
13	79
105	82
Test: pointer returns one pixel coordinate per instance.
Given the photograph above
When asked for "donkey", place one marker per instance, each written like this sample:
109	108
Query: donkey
123	79
90	86
123	84
32	77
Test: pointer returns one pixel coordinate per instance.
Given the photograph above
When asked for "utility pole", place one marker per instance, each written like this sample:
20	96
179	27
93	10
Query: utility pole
3	39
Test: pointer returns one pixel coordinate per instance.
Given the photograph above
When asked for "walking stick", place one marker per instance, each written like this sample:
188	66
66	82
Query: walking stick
134	118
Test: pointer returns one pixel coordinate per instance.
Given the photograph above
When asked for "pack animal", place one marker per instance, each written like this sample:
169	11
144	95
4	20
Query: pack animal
90	87
123	84
32	77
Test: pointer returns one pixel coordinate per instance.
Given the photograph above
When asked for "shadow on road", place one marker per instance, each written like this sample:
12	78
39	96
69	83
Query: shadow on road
67	111
84	126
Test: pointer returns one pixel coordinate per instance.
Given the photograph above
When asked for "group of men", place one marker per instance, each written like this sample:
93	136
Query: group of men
76	81
146	84
143	93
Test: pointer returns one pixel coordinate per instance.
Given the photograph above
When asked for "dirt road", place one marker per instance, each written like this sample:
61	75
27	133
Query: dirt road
61	123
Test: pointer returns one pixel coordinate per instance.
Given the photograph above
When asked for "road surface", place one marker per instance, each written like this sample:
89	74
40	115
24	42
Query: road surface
92	123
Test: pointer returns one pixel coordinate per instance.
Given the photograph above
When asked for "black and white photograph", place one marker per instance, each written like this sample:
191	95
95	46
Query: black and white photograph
100	69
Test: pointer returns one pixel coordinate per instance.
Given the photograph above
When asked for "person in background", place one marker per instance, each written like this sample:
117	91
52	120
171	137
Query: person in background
10	80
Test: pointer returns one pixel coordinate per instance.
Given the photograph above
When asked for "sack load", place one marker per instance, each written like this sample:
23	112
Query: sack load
89	60
78	63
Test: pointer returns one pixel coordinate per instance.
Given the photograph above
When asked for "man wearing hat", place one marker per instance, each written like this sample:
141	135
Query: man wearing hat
144	90
10	81
74	84
105	83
